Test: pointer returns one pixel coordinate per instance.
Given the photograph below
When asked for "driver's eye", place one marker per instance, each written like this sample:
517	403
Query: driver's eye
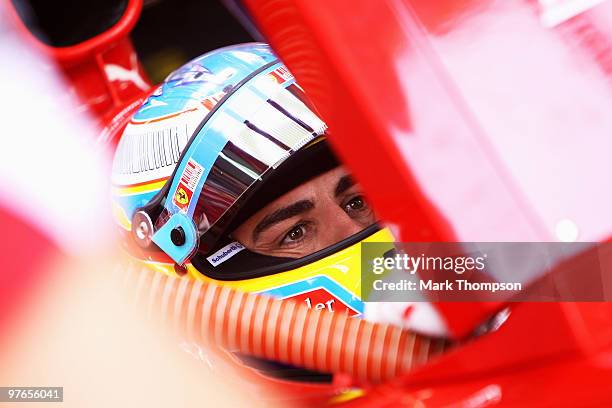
355	204
295	234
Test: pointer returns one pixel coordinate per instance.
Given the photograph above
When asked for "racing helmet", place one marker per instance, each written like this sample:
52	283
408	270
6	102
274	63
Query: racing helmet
219	139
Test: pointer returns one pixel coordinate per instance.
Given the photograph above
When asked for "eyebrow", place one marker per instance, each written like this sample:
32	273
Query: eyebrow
344	184
299	207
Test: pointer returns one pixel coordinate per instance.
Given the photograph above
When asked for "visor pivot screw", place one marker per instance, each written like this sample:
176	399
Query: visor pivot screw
142	229
177	236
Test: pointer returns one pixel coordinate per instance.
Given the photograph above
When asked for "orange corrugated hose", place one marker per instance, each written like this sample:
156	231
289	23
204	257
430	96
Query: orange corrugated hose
280	330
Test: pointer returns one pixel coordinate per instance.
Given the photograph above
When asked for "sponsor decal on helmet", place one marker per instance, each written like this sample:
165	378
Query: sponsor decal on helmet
225	253
321	299
181	196
320	292
189	180
281	74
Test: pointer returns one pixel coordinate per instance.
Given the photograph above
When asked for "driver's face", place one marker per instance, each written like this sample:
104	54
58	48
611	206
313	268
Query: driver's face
313	216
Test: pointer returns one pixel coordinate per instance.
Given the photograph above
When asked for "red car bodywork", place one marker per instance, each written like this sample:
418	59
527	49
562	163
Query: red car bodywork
545	354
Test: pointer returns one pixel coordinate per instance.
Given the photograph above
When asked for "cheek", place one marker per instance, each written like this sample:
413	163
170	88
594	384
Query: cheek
369	219
243	235
296	253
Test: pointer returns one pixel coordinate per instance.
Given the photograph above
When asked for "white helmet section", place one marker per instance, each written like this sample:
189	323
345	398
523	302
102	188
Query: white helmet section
150	150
